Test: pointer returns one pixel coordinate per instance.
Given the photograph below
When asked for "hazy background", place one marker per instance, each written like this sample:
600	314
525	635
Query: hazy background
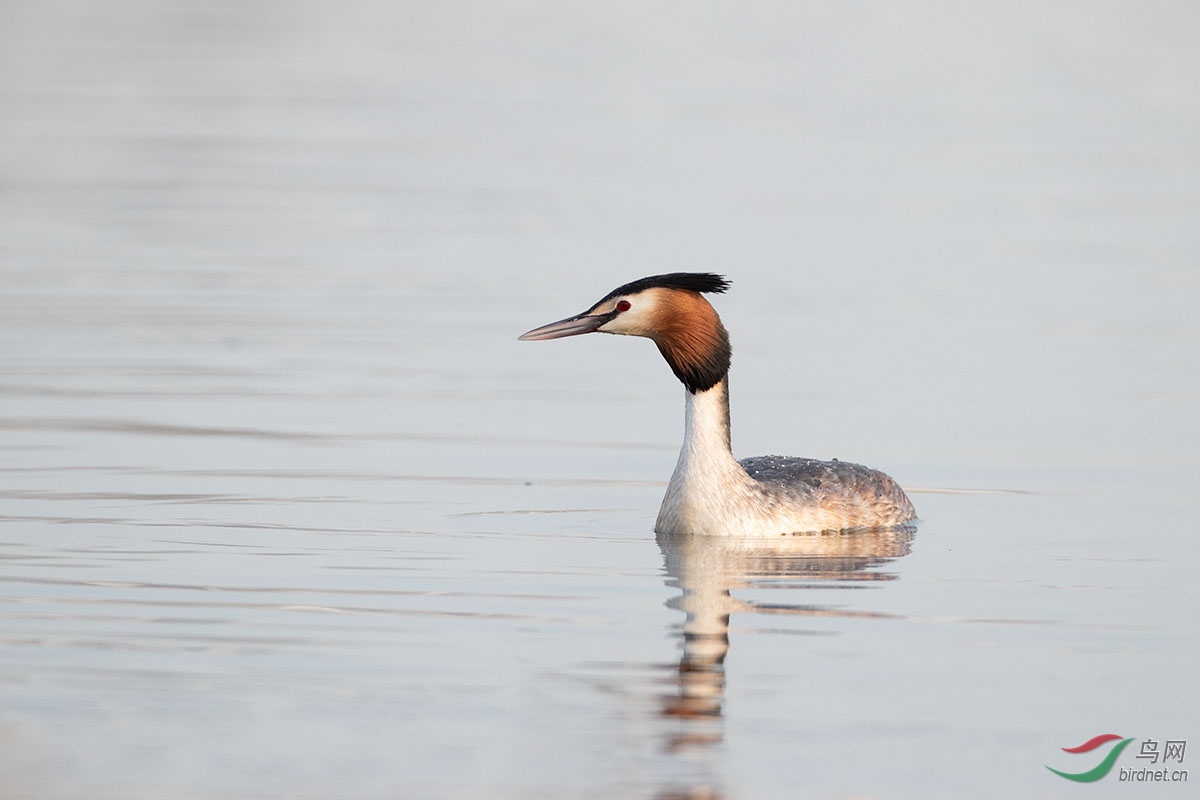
285	508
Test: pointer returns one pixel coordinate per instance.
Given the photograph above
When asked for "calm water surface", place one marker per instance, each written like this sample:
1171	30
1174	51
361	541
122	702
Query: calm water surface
286	511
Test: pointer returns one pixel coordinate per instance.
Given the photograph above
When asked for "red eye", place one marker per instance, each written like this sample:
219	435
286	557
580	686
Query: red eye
622	305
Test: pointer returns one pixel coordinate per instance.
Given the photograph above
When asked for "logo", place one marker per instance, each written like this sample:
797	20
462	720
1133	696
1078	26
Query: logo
1100	770
1173	750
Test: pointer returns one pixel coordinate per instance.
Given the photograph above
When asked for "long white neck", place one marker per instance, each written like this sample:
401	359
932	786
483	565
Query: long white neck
706	421
707	476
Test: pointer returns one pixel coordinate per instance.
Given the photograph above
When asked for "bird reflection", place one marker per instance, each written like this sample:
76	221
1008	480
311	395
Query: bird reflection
708	568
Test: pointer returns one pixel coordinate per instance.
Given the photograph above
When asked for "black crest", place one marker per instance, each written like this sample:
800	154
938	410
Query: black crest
687	281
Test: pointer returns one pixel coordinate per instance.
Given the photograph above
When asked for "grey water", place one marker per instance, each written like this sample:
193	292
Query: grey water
287	511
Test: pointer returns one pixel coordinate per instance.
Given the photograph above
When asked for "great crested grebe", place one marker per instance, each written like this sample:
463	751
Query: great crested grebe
712	492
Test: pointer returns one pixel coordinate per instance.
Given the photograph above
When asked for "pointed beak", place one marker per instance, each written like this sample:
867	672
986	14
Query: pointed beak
571	326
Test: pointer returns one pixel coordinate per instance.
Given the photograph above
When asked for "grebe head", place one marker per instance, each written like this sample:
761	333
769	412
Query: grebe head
667	309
